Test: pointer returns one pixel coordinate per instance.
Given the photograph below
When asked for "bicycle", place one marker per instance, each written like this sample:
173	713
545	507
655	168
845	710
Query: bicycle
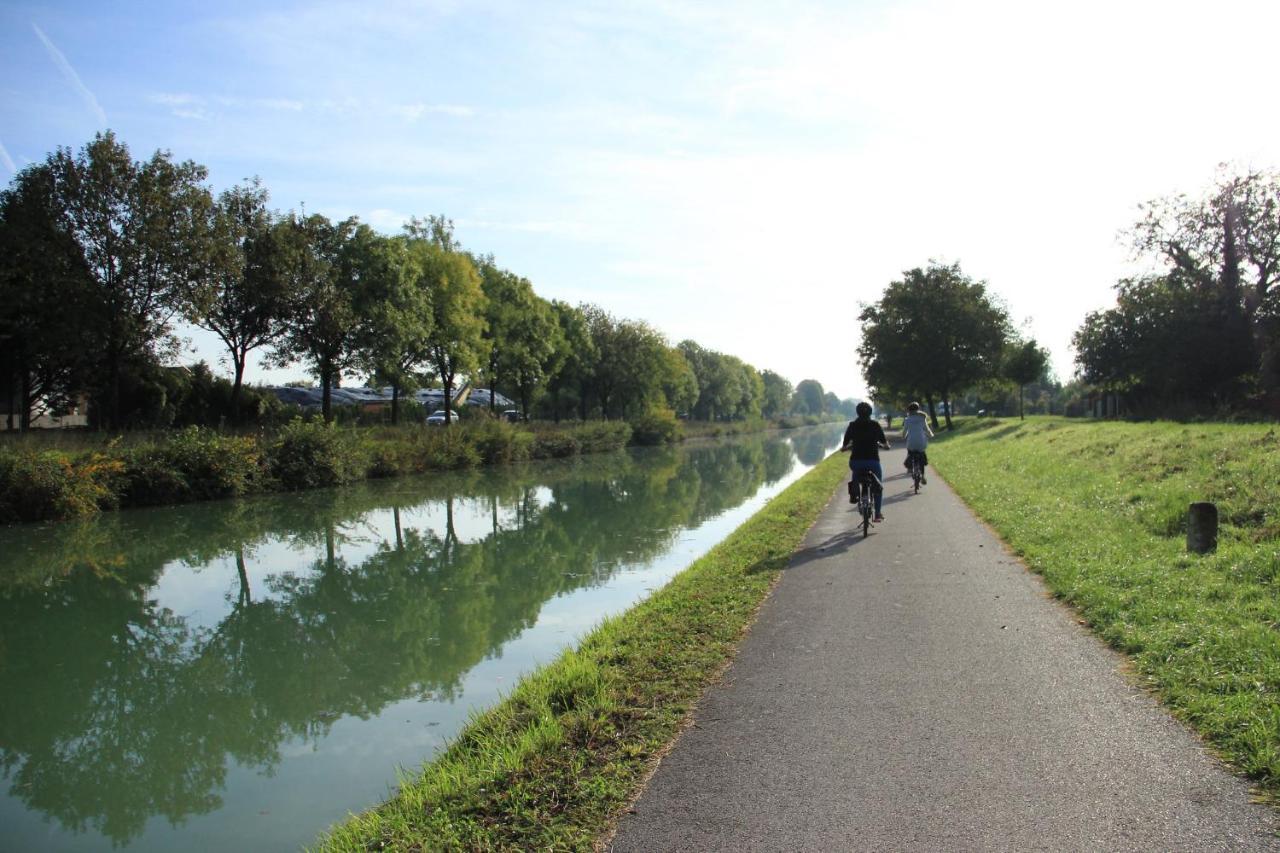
864	484
917	469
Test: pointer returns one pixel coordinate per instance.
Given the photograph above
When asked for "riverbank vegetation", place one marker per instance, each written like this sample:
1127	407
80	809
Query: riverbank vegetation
102	256
84	474
552	765
1099	510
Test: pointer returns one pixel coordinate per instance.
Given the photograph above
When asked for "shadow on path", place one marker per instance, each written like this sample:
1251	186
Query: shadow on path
837	544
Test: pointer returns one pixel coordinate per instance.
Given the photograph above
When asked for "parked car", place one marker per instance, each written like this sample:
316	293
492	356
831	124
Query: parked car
511	415
436	418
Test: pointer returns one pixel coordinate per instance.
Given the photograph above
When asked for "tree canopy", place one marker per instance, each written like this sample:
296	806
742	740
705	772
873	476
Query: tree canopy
933	333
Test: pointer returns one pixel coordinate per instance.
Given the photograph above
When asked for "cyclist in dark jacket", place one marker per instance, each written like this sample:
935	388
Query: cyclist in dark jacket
864	438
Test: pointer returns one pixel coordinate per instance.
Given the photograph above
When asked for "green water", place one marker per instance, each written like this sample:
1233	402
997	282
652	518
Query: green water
240	675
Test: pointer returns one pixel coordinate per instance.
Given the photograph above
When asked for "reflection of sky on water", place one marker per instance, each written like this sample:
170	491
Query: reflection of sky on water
347	761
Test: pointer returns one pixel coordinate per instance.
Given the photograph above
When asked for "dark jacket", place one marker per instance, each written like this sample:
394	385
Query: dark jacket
864	436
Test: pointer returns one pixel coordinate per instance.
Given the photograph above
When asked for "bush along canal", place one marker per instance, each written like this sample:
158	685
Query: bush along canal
244	674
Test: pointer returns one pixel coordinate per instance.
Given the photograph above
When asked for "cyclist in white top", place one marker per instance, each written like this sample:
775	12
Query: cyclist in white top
915	429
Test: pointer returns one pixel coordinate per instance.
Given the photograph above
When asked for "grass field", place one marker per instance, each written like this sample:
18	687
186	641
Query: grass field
1099	509
551	766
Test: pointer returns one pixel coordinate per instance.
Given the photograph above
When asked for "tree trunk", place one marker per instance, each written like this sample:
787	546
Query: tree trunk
113	392
1021	416
446	379
10	381
946	411
326	397
493	381
395	513
933	413
395	403
244	577
237	359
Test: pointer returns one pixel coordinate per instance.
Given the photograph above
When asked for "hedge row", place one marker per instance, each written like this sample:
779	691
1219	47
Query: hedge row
201	464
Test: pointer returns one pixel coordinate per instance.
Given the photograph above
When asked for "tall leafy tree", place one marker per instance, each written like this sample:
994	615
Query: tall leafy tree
679	382
44	301
629	359
777	394
1160	347
394	305
810	397
455	342
243	298
142	229
569	364
521	332
936	331
1024	363
1225	245
325	261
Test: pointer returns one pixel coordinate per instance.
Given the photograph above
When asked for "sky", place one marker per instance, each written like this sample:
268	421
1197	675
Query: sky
745	174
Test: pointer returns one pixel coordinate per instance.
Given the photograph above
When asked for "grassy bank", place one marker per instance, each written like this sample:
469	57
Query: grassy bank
551	766
56	475
1099	509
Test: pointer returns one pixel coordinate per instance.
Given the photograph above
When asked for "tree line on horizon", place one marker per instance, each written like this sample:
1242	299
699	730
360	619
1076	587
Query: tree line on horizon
100	255
1200	337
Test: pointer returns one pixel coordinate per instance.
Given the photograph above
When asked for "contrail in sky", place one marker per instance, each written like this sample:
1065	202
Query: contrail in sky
7	160
72	77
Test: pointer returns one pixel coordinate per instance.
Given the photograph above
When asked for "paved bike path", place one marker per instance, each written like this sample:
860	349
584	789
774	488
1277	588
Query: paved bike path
919	689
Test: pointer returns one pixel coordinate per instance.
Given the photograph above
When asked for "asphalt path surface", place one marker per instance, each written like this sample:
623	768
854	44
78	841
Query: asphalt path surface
920	690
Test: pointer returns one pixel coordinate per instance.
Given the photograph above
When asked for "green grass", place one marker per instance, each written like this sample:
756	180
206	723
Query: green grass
553	764
1099	509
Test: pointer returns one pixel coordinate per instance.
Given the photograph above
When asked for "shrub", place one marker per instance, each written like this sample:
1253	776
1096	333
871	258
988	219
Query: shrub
554	445
658	426
499	442
448	449
192	464
308	455
39	486
599	436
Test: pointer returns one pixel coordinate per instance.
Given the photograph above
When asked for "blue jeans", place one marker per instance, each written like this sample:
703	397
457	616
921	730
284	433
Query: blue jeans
872	465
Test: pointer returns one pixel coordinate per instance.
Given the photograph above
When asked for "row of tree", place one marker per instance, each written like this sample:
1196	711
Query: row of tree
936	334
100	255
1202	334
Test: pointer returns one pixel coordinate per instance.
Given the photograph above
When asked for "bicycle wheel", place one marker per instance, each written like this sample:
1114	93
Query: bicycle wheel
866	511
915	475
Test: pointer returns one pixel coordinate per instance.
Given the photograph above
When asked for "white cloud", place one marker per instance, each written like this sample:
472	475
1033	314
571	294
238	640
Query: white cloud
72	77
415	111
386	220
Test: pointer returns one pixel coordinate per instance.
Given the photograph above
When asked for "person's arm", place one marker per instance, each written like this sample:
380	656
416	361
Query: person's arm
926	428
884	442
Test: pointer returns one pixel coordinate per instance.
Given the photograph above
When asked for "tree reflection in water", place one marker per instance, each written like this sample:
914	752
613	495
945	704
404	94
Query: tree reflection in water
116	708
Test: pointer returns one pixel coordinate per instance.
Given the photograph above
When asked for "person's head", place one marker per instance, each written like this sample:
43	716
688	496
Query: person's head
864	410
913	408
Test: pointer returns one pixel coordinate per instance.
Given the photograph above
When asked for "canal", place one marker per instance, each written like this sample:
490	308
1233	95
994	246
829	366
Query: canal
241	675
